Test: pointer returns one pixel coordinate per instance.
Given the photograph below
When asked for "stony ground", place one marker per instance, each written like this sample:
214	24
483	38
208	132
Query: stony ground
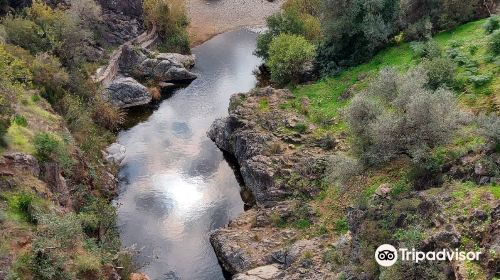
211	17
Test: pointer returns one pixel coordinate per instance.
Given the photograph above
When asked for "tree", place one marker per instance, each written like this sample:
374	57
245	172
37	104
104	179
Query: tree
288	55
400	115
355	30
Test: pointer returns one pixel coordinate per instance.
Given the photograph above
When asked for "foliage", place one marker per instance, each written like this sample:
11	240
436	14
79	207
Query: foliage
398	115
495	42
441	72
62	32
49	148
287	57
489	127
48	72
492	24
107	115
355	30
341	168
170	19
288	21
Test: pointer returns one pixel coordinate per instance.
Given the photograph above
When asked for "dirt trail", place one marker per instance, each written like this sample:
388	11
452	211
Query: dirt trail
211	17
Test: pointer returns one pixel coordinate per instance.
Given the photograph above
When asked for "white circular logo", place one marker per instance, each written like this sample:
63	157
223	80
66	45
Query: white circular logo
386	255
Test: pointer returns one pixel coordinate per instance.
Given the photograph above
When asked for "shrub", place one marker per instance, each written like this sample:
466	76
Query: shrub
23	204
107	115
49	73
287	56
492	24
342	168
26	34
47	265
398	115
489	127
440	71
49	148
494	42
87	266
420	30
428	49
355	30
20	120
171	21
294	20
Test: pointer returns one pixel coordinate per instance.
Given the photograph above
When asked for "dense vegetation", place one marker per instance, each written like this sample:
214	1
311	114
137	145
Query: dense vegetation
348	33
409	118
171	20
46	89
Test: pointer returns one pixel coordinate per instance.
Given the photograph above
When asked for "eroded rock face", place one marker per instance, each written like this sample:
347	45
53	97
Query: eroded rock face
51	174
117	28
19	162
126	92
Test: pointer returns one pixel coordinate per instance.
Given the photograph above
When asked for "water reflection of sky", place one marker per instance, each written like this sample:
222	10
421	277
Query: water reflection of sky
175	183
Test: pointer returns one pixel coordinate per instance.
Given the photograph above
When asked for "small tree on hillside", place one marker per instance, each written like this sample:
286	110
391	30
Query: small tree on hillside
399	115
287	56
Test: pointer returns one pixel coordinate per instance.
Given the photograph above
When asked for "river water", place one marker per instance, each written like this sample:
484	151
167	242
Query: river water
175	185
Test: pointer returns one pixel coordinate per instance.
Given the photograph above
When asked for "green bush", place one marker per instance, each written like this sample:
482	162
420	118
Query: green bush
427	49
25	205
492	24
20	120
49	73
399	115
440	71
494	42
288	55
26	34
49	148
355	31
289	21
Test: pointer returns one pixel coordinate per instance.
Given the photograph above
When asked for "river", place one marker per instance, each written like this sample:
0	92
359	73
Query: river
175	185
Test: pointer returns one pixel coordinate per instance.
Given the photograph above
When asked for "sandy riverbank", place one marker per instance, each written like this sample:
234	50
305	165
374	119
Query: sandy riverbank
211	17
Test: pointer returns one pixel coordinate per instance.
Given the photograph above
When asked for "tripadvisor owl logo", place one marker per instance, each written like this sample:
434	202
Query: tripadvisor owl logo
386	255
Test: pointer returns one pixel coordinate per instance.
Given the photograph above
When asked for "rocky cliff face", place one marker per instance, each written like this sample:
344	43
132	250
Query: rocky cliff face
283	160
263	140
122	20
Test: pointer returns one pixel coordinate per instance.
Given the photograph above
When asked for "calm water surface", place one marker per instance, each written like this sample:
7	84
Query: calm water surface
175	184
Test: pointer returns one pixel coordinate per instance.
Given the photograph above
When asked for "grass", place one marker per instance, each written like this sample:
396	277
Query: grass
325	96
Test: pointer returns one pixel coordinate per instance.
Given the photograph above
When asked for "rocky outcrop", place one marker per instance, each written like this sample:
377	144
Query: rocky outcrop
164	67
11	163
263	140
264	143
51	174
126	92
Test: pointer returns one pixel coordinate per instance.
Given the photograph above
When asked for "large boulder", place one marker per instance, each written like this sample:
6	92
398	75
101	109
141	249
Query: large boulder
164	67
126	92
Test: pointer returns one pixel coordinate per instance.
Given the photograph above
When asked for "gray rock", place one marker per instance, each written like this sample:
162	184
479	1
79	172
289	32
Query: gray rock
163	67
127	92
268	272
186	61
115	153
